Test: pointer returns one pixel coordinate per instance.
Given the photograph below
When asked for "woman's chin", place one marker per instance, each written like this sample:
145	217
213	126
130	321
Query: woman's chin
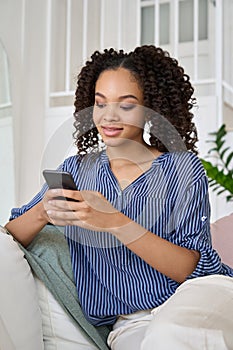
114	142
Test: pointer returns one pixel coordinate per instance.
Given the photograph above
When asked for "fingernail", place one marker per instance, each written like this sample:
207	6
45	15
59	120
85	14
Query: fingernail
55	190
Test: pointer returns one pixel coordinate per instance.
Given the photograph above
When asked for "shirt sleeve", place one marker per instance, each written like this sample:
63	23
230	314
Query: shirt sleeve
193	228
16	212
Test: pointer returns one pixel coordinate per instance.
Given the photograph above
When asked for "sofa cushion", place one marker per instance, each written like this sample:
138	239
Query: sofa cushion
222	238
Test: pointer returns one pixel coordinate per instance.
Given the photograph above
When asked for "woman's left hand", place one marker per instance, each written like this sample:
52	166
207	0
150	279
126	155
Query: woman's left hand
87	209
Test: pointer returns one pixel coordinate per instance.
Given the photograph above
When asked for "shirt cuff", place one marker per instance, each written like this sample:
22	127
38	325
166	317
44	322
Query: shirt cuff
208	264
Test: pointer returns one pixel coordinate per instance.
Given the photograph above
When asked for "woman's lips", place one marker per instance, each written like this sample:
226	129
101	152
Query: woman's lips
111	130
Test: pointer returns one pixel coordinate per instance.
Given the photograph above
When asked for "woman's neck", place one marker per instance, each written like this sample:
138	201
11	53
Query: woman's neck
135	153
129	164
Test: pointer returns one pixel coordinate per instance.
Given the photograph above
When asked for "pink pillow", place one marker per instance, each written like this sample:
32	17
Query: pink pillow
222	238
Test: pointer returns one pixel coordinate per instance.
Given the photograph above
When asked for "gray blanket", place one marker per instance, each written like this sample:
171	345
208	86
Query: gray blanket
49	258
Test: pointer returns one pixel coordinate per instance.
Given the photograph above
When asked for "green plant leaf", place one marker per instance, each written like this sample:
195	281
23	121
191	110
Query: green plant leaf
221	191
211	170
220	176
229	158
221	132
223	153
229	198
219	144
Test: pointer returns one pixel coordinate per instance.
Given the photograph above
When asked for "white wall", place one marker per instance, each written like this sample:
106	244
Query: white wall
11	40
22	31
7	184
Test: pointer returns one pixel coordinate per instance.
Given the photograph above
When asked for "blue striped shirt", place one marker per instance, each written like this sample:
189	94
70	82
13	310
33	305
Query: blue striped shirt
170	200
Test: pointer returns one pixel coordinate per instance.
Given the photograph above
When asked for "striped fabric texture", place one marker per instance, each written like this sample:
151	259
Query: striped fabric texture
170	200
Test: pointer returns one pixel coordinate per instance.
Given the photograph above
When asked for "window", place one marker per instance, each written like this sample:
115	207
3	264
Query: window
203	20
147	25
164	24
73	33
185	21
166	20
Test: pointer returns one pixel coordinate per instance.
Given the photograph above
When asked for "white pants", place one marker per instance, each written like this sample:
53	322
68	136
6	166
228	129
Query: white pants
30	317
199	316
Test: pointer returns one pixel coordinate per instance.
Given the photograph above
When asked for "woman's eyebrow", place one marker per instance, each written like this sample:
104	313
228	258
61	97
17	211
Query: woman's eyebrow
128	96
123	97
99	94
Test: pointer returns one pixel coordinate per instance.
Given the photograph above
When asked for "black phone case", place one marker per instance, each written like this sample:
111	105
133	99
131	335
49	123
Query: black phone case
56	179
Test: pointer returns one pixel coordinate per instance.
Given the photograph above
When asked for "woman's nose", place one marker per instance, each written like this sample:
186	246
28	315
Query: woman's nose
111	113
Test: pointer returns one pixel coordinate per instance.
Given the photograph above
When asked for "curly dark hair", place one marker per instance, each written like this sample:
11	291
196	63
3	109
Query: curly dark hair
167	92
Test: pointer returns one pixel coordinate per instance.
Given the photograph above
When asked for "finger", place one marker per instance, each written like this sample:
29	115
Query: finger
64	204
50	194
60	192
59	222
63	215
55	214
98	202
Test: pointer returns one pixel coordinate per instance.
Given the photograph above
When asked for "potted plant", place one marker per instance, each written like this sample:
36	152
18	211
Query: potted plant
220	171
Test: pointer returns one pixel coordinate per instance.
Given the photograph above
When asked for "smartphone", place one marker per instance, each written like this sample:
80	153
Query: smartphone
60	179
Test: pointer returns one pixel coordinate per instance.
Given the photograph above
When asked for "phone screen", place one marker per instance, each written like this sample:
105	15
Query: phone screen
56	179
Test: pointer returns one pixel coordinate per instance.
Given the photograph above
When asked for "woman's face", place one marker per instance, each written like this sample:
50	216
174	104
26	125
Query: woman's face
118	112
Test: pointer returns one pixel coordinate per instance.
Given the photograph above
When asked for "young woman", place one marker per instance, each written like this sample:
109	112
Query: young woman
138	226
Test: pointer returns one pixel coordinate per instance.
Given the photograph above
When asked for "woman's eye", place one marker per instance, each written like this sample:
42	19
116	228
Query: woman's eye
128	106
100	105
